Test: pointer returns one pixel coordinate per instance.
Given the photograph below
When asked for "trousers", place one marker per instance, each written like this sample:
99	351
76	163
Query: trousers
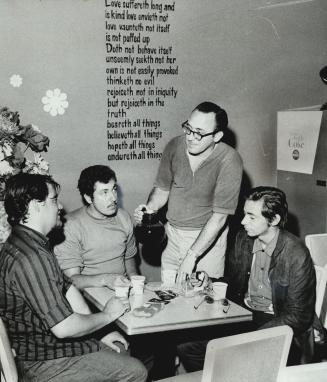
104	365
179	241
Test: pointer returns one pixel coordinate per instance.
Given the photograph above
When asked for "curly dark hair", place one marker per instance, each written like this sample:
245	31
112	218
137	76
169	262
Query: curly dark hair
23	188
90	175
274	203
220	114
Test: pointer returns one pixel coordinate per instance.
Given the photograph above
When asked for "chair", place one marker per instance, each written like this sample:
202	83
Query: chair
312	372
317	245
7	361
250	357
321	276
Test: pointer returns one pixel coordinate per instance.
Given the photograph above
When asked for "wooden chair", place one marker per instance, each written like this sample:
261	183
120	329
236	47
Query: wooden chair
317	245
250	357
7	361
312	372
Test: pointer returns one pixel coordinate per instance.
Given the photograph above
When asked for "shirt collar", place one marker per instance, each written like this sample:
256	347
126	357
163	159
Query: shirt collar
270	246
35	235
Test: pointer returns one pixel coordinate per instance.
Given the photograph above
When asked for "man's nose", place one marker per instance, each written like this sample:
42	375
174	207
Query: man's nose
190	137
113	196
243	220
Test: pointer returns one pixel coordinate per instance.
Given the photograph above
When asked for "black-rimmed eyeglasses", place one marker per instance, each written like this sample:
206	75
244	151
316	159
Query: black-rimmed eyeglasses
198	136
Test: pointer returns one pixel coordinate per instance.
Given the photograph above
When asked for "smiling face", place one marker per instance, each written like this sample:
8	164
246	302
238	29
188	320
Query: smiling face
104	200
202	123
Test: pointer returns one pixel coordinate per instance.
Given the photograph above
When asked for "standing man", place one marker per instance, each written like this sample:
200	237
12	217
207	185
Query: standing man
271	273
199	176
48	321
99	241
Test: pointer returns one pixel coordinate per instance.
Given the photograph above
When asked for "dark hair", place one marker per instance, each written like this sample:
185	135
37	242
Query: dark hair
20	190
220	114
274	203
90	175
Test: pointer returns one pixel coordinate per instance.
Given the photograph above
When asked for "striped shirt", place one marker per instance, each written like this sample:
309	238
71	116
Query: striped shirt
32	299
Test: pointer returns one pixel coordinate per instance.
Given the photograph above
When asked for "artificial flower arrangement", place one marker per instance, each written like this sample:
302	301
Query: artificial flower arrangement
15	141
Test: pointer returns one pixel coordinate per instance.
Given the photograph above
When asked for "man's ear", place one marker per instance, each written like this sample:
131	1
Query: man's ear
217	137
34	205
87	198
275	221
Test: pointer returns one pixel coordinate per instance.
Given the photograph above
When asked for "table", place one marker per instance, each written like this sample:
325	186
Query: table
178	314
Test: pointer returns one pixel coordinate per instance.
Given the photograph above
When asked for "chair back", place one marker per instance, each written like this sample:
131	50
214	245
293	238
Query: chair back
7	361
321	276
250	357
312	372
317	245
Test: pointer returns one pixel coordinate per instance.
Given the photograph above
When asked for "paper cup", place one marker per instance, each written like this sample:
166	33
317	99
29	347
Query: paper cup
121	291
168	277
219	290
138	284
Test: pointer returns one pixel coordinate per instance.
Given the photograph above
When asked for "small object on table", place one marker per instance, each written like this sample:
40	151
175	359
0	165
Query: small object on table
166	295
168	277
207	299
200	280
225	303
121	287
138	284
187	289
148	310
219	290
158	300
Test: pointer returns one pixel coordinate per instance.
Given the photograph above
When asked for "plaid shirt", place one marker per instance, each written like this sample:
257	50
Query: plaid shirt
32	299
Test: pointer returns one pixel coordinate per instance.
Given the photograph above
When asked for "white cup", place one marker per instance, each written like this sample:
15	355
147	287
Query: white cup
138	284
219	290
121	291
168	277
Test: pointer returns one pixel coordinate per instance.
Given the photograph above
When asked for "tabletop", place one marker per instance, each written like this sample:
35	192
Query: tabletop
178	314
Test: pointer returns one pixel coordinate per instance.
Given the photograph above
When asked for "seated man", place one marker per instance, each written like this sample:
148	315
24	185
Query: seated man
270	272
99	240
48	321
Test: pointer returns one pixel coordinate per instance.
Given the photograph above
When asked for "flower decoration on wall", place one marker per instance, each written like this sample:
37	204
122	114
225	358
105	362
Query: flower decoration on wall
55	102
16	80
15	142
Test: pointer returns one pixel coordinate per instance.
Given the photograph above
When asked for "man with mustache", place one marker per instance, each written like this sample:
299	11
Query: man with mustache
99	243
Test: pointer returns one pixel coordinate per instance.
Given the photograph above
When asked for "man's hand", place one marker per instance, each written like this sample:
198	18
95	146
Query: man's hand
111	279
116	307
187	265
113	337
139	211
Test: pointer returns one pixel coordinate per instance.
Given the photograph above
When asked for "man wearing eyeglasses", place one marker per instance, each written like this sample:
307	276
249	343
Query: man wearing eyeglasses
199	176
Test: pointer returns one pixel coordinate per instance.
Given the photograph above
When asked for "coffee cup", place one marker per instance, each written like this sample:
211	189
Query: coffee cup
121	291
219	290
138	284
168	277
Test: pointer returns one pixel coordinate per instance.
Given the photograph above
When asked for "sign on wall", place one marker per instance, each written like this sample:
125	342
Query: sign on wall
141	69
297	139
